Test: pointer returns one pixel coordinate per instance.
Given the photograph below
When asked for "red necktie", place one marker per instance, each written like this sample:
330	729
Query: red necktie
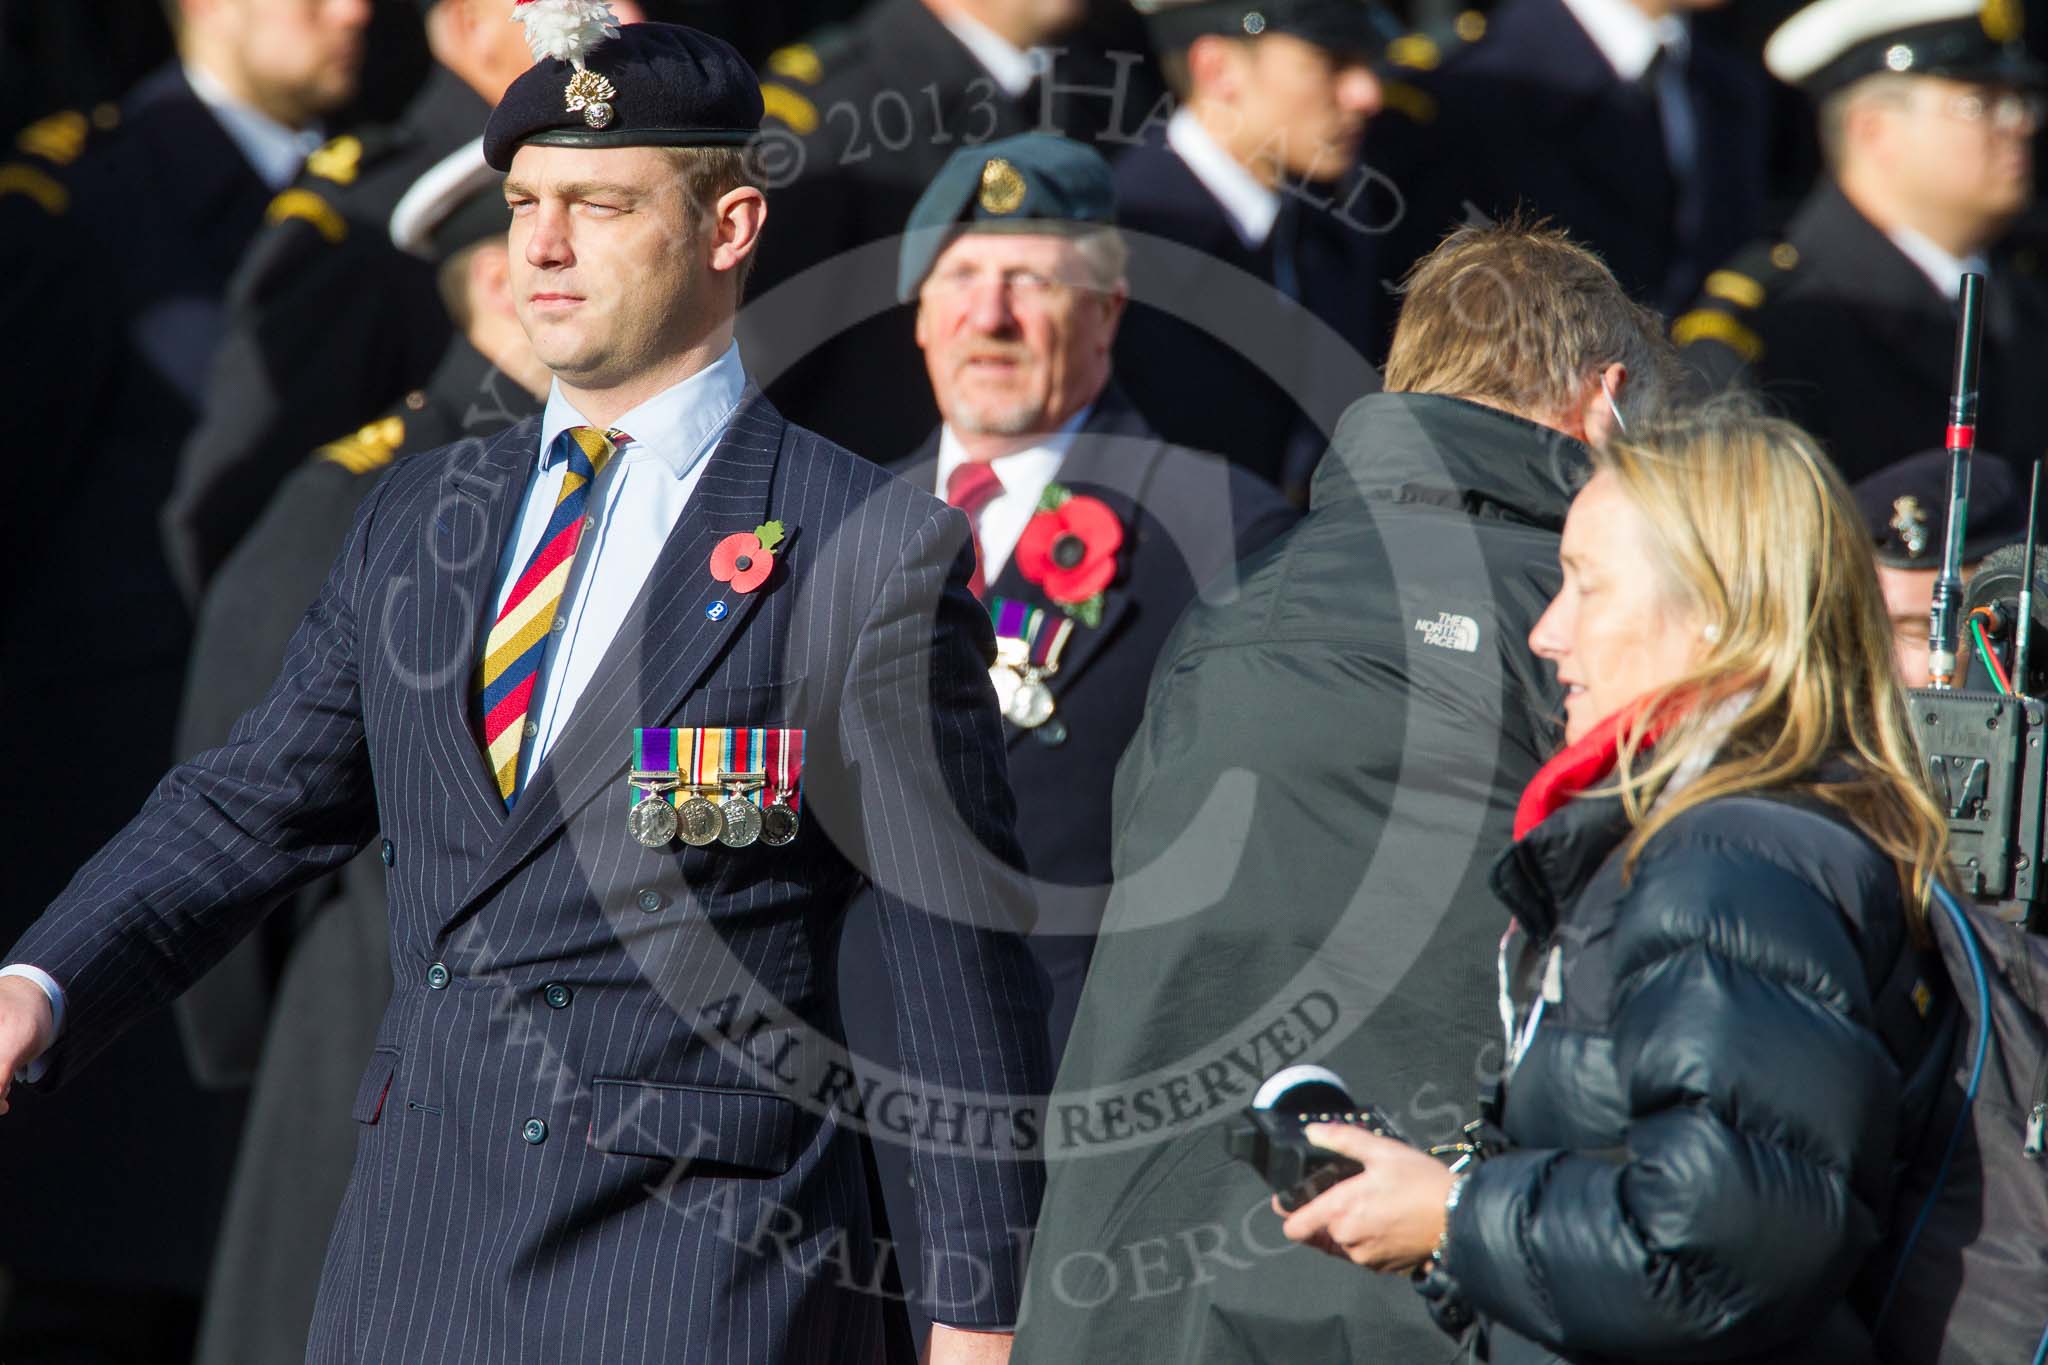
971	487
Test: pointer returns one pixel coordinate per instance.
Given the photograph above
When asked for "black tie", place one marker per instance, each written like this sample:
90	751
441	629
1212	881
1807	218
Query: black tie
1678	121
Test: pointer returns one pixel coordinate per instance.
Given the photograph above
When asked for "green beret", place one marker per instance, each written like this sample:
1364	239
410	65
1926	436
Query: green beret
1033	182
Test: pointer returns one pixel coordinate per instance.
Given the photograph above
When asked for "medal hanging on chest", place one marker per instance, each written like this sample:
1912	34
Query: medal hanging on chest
783	758
727	785
702	821
651	818
740	776
1029	642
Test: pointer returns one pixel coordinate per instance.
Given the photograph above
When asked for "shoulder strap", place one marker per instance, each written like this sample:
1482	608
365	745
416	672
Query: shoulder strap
1973	952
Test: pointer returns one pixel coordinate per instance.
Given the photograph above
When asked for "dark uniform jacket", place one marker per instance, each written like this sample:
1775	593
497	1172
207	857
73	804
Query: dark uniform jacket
1218	349
296	1006
572	1124
1327	766
328	323
859	120
1845	335
1532	116
1710	1114
124	238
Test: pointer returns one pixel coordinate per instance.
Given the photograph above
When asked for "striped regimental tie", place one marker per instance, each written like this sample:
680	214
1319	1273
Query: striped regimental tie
519	639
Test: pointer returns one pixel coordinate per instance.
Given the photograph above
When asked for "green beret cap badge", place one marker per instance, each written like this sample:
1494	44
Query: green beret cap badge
1002	188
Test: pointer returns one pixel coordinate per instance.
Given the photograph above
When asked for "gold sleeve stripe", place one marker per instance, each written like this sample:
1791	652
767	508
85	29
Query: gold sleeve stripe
781	102
1418	104
1417	51
370	447
20	178
58	138
312	208
1736	287
1710	324
798	61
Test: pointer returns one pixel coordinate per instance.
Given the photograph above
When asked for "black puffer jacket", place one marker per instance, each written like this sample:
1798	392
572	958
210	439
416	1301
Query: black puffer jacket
1734	1049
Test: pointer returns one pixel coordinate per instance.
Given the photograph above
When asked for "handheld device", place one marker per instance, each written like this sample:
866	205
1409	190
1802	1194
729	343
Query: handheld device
1272	1140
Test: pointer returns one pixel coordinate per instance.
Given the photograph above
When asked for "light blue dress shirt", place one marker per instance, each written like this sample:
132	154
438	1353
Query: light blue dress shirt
274	151
637	500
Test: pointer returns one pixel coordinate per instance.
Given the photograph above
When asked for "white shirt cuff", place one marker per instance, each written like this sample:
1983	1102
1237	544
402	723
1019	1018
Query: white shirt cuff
35	1069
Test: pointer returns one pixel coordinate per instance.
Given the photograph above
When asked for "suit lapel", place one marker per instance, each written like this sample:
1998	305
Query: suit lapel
483	487
665	645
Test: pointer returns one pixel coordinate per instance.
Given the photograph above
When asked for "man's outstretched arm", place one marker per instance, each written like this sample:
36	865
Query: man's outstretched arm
217	844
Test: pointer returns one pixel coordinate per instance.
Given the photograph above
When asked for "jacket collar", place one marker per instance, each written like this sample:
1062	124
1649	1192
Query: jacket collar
1563	830
197	164
469	392
1113	414
922	43
1429	448
1168	199
1837	242
1539	876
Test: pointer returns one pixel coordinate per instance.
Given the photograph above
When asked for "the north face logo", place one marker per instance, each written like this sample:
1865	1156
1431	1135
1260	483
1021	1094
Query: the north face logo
1450	632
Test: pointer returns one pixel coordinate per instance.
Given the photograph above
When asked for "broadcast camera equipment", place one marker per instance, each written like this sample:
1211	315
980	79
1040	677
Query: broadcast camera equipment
1983	738
1270	1138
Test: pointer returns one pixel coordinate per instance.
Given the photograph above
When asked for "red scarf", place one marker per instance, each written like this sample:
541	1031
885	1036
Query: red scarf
1584	764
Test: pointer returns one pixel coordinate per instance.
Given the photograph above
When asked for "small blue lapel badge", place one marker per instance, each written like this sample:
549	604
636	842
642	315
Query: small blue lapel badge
716	611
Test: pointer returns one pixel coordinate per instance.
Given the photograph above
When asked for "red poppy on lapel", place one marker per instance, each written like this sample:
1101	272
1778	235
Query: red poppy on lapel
746	558
1069	550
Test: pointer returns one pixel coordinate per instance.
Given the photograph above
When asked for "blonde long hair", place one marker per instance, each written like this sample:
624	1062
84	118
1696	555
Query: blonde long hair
1752	528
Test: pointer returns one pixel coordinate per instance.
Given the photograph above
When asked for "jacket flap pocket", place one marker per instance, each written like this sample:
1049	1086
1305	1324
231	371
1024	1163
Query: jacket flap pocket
376	1081
745	1128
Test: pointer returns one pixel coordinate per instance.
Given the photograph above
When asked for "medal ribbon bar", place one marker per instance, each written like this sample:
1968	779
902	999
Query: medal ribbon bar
754	763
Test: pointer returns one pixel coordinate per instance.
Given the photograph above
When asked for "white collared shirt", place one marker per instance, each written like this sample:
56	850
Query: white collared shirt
1008	65
1628	38
637	500
1251	206
1023	474
272	150
1943	270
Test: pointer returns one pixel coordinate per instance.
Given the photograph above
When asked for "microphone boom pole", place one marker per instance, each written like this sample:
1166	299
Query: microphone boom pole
1961	441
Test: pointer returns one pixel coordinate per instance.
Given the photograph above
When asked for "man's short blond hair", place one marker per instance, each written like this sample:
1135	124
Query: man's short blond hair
708	174
1521	316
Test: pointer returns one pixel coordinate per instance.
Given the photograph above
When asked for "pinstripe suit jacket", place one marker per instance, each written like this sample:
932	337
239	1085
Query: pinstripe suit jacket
619	1131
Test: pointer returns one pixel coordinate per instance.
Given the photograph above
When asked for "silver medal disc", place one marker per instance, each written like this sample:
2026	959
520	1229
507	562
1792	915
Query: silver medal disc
1007	682
1032	705
742	822
699	822
778	825
653	821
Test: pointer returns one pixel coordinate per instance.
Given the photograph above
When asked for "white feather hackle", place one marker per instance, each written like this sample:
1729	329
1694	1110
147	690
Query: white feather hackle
565	29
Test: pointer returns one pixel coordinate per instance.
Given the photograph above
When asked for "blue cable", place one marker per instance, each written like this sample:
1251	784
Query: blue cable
1969	940
2041	1354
